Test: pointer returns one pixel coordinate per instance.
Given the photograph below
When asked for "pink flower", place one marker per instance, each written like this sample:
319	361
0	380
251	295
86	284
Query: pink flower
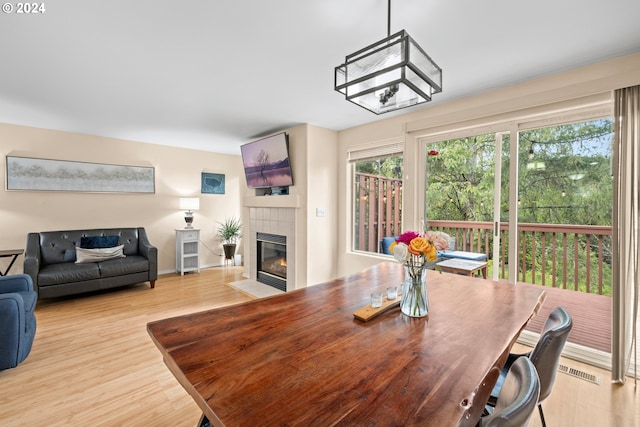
439	239
407	237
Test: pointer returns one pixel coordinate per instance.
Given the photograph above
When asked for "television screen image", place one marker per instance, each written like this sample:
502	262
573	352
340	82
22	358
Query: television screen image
266	162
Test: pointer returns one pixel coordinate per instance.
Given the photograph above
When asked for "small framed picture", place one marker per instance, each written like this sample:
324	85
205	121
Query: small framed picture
212	183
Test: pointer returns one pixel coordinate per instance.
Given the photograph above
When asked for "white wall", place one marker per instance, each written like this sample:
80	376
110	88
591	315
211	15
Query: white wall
322	190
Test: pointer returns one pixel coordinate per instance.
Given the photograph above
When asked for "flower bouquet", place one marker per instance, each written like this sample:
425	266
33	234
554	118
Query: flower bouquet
415	251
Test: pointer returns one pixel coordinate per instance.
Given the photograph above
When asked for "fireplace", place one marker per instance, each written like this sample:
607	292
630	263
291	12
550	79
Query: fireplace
272	260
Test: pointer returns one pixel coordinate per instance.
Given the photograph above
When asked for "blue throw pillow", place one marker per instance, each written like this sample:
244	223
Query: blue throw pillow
385	243
98	242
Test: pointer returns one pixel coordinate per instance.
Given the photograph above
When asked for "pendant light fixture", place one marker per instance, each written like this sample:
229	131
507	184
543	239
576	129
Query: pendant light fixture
388	75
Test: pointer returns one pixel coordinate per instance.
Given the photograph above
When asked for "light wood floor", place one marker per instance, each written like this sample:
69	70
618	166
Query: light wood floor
93	364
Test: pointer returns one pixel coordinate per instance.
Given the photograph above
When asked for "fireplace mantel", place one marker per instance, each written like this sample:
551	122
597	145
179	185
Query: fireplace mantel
279	201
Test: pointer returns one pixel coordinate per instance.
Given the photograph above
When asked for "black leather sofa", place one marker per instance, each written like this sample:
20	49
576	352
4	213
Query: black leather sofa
50	260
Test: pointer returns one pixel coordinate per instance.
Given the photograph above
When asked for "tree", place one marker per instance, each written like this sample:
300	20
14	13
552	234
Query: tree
263	160
390	167
460	179
575	185
564	176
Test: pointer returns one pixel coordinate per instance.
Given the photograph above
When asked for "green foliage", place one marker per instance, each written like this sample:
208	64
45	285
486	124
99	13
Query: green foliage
390	167
229	231
460	179
564	176
575	186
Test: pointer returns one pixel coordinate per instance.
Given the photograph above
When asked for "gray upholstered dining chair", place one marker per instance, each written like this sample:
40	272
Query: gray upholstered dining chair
545	356
518	397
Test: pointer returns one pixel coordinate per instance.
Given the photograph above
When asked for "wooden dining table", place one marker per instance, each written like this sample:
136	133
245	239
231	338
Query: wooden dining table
302	359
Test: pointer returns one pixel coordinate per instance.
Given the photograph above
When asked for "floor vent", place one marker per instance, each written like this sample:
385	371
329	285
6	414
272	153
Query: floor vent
579	374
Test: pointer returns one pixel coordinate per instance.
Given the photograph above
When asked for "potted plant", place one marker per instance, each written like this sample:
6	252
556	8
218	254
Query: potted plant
229	233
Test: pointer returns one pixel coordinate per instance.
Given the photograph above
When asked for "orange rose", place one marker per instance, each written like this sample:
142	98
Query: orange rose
431	253
419	246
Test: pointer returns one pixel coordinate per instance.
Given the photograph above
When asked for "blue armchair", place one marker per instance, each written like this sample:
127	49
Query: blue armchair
17	319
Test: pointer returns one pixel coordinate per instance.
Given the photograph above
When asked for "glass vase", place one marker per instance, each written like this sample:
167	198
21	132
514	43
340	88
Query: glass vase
414	302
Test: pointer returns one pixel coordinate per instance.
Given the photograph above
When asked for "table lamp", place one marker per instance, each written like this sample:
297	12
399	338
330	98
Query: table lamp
189	204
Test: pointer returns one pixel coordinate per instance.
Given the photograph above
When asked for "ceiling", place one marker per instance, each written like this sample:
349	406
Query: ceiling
212	75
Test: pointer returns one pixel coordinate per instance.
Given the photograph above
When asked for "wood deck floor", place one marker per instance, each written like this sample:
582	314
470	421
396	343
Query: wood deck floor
591	316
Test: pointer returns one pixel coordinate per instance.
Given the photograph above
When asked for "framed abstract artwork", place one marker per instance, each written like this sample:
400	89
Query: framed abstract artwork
26	173
212	183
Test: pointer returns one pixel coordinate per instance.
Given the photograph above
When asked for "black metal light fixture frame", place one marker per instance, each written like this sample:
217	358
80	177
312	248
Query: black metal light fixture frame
390	74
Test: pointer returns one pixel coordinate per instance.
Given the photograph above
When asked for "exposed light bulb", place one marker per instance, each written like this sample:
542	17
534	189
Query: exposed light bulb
388	94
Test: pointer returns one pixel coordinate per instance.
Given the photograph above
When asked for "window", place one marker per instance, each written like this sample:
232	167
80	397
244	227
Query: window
377	197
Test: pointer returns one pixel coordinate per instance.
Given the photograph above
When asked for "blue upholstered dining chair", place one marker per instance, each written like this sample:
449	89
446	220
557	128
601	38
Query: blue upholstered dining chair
17	319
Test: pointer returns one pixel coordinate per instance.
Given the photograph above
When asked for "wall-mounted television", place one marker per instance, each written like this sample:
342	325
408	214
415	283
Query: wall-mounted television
266	162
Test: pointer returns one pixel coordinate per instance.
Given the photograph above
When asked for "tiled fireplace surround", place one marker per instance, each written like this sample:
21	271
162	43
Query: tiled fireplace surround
273	220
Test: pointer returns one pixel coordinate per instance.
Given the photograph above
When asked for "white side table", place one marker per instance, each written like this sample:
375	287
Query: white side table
187	250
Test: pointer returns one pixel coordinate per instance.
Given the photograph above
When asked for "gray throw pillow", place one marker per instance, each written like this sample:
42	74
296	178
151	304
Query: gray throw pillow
96	255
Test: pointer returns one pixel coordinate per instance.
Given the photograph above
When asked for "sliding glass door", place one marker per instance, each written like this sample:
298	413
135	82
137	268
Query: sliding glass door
461	177
565	202
565	205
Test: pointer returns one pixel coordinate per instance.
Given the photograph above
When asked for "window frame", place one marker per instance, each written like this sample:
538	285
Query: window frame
376	150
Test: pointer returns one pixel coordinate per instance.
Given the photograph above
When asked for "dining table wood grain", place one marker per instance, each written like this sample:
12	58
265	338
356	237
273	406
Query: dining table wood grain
302	359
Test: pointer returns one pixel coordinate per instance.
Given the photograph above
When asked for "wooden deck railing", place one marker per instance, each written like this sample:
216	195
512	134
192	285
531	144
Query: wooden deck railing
575	257
377	210
571	257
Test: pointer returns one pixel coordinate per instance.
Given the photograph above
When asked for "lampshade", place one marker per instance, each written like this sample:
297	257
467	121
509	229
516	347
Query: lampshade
189	203
388	75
